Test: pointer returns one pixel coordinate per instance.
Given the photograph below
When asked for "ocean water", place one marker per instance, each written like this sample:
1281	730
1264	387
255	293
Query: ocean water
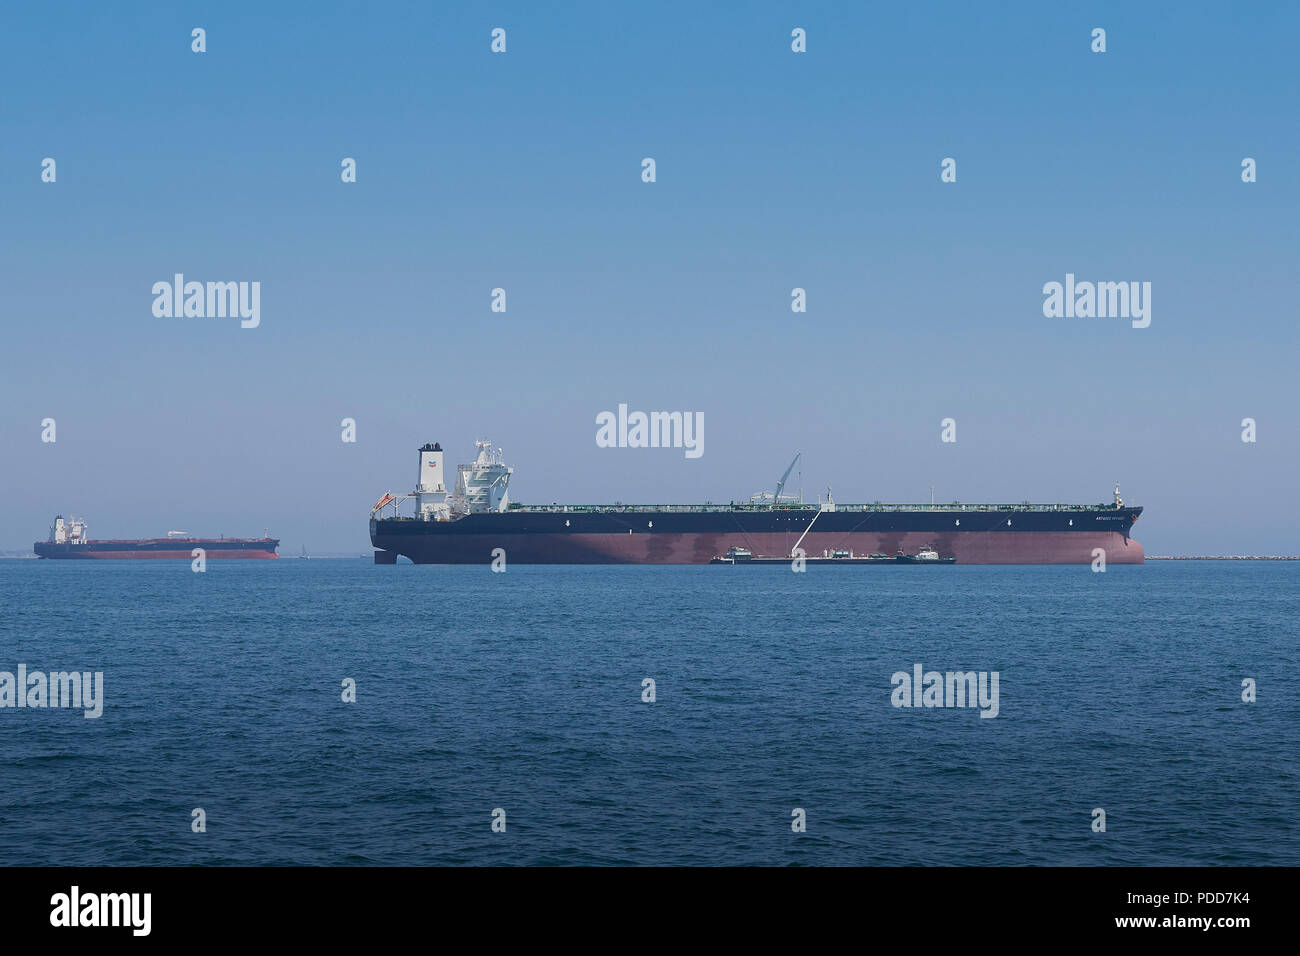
523	691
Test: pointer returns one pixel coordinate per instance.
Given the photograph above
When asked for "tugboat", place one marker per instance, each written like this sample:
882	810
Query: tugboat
842	557
926	555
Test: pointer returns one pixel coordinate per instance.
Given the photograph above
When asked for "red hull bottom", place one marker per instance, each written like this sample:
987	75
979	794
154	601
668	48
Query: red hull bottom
161	555
998	547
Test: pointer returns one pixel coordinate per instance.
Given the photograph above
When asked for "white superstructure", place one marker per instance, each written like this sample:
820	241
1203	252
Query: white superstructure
481	486
430	486
72	531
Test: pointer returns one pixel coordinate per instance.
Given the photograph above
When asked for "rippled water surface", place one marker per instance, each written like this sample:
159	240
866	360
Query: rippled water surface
523	691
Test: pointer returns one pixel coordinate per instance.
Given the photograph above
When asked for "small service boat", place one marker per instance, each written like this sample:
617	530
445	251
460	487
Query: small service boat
926	555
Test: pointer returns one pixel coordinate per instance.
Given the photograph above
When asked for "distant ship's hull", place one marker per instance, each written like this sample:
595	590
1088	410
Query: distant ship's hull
149	549
675	537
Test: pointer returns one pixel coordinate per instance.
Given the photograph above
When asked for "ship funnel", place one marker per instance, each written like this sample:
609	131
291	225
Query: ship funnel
430	488
430	479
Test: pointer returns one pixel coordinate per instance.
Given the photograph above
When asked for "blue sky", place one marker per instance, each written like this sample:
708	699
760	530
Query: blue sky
522	171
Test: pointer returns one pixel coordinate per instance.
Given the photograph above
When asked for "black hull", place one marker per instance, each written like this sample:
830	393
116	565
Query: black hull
159	548
646	536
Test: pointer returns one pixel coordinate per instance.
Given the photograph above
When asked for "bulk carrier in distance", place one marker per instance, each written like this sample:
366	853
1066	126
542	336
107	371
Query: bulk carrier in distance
468	523
68	541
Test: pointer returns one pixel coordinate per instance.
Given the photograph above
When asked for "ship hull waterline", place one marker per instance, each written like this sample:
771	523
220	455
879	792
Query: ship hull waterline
972	547
155	551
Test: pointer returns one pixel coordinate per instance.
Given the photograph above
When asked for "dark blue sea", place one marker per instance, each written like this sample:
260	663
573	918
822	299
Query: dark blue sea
523	691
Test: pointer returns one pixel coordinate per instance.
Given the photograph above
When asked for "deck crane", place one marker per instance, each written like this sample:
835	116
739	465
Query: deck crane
775	497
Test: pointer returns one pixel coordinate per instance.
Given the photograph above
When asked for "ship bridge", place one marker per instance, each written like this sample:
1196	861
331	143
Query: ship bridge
481	486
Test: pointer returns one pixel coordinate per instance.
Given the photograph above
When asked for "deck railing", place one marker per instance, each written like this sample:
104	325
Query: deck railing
806	509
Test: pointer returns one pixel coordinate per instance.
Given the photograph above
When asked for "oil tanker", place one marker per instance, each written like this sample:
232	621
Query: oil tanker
68	540
470	522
